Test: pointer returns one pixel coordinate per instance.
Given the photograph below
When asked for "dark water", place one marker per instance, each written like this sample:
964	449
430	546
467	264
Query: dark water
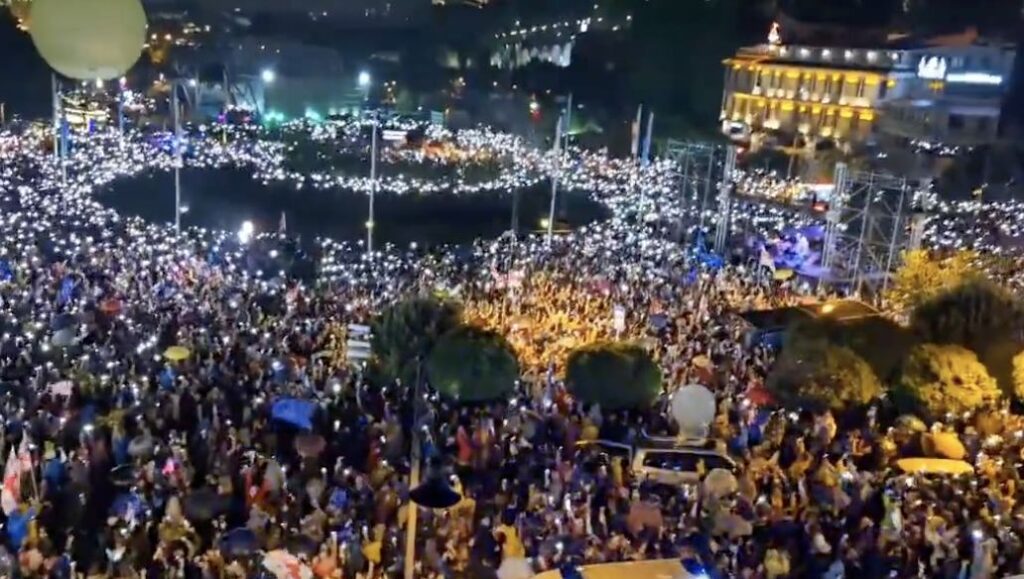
225	198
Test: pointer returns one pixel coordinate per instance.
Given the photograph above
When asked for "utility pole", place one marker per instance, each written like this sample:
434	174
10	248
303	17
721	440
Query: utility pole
227	103
177	157
373	186
554	177
414	480
56	116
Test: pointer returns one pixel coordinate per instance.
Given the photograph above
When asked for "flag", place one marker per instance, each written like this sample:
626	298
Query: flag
25	453
766	259
11	494
635	143
646	156
67	289
282	226
559	129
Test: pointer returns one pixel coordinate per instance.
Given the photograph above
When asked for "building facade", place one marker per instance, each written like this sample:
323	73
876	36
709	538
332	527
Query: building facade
947	91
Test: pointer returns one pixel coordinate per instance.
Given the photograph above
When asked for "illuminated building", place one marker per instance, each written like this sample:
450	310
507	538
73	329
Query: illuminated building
946	89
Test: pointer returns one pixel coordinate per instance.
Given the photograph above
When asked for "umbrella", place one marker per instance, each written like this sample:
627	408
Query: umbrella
515	568
205	504
284	565
302	545
943	445
63	338
63	321
176	353
309	445
239	542
782	274
123	475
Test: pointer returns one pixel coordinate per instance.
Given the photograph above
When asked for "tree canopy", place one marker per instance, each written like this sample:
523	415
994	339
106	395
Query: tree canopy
613	374
974	315
473	365
924	276
880	342
940	379
405	333
819	375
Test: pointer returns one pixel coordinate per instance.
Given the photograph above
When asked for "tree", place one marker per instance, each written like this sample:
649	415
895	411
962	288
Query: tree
1018	376
614	374
880	342
942	379
974	314
405	333
924	275
473	365
820	376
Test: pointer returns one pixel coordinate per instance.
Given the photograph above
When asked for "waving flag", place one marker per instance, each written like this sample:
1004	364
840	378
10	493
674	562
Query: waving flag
11	494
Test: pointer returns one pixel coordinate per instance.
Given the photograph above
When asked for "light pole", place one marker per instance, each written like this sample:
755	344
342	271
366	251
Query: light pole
373	186
177	156
121	84
554	177
364	83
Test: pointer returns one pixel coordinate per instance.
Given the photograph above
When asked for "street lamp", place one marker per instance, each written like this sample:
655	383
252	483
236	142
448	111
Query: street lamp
268	76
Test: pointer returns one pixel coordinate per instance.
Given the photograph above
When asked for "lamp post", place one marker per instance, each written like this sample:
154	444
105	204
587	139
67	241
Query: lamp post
554	178
177	156
373	186
364	83
434	493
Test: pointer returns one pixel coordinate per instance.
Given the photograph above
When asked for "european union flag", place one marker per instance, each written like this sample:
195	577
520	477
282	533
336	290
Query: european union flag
298	413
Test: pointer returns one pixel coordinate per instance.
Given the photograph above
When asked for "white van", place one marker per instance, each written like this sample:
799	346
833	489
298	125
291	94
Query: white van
669	464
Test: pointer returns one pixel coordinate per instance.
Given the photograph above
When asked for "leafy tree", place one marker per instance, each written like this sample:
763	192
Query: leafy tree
975	315
614	375
473	365
924	276
940	379
821	375
881	342
1018	376
406	332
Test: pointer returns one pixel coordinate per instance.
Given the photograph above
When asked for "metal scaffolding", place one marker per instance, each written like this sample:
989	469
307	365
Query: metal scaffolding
866	228
696	164
725	188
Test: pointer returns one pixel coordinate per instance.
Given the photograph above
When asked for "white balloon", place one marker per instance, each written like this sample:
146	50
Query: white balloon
89	39
693	407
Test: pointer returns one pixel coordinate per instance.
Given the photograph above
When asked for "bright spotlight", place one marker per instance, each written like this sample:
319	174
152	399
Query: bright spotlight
268	76
246	232
364	79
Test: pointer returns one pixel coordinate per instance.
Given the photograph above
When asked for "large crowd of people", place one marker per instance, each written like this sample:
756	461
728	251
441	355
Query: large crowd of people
173	404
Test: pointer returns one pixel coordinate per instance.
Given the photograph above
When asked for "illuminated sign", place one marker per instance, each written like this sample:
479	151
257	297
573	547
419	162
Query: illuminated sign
932	68
975	78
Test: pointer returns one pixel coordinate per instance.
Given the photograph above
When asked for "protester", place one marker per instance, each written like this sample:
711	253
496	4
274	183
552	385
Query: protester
181	405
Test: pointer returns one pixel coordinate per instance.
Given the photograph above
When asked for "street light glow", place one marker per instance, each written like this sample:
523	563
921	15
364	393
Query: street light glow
268	76
364	79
